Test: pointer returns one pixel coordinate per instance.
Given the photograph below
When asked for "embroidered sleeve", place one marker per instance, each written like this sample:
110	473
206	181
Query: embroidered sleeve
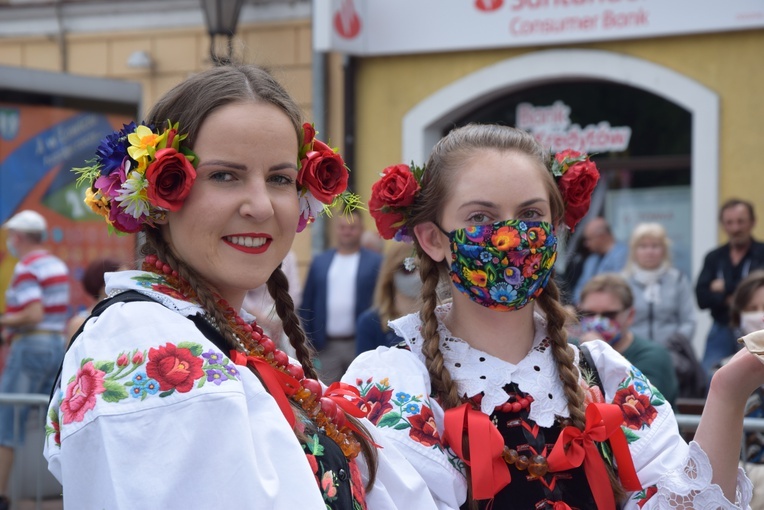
395	389
156	406
673	474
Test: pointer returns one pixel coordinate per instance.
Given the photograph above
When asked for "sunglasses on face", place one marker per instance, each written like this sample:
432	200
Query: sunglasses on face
610	314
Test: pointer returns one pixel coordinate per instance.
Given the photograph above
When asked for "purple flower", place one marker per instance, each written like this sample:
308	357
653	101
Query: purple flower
113	149
231	371
216	376
109	185
213	357
513	275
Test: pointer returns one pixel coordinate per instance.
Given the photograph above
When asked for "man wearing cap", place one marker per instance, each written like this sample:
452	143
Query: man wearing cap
37	304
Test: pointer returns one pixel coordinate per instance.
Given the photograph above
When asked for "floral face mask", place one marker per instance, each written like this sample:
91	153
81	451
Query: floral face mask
605	327
505	265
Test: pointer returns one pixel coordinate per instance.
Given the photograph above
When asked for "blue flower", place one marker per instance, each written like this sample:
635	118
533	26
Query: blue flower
641	386
503	293
140	379
113	149
216	376
402	397
151	387
412	408
485	256
137	391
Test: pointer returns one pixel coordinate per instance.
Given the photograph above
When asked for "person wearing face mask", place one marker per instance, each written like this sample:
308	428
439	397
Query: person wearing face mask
395	295
607	313
486	398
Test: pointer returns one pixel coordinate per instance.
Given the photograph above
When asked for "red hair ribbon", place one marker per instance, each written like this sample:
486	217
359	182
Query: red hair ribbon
575	447
280	385
490	472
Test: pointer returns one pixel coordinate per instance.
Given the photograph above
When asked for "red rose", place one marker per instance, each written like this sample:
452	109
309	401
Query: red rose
577	185
388	222
649	493
308	133
170	177
568	154
174	368
81	393
323	172
397	187
423	428
636	408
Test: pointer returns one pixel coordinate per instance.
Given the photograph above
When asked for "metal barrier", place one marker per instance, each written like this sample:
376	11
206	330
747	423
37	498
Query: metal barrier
691	421
30	477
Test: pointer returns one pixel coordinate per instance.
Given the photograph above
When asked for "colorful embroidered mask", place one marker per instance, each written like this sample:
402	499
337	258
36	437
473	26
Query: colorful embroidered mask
607	328
503	266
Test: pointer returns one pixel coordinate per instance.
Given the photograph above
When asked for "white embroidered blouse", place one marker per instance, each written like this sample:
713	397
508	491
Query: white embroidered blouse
150	414
396	387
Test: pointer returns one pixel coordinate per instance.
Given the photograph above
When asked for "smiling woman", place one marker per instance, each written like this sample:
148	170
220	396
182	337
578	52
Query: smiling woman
168	364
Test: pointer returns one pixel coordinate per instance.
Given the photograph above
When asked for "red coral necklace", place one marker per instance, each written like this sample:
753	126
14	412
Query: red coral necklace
274	367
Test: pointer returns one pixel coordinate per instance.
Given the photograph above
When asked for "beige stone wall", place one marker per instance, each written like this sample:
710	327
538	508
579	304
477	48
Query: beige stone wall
284	47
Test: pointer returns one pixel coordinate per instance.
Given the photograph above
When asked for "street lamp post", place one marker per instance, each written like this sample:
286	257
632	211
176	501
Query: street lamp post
221	17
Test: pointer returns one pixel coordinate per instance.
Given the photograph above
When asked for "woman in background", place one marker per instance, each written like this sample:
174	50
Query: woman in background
395	295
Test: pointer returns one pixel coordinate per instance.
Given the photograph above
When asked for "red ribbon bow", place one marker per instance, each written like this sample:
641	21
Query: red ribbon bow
280	384
575	447
346	397
490	473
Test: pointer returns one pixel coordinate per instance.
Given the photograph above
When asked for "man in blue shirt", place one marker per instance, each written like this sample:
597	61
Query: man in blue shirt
607	254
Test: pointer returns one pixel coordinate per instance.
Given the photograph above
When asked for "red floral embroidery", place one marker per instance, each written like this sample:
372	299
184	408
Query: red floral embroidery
169	291
648	494
81	393
174	368
423	428
637	409
376	403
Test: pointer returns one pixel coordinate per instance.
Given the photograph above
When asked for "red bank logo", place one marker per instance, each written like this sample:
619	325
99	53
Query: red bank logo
346	20
488	5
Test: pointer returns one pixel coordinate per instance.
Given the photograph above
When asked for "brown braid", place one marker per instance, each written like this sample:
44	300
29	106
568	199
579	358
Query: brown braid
278	288
556	317
156	245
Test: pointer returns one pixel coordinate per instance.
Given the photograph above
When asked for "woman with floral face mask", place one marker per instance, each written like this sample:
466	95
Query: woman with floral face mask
487	399
171	396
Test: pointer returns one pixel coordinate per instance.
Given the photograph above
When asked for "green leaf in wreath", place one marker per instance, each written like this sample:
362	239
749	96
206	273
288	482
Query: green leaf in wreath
85	361
167	393
114	391
195	348
104	366
402	426
389	420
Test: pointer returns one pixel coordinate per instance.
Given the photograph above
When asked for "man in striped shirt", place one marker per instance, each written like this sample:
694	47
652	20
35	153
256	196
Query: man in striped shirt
37	305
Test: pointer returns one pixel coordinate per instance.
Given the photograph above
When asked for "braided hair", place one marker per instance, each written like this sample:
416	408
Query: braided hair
448	155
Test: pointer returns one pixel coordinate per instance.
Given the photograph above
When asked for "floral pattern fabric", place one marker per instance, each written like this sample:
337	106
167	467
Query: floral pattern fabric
389	378
503	265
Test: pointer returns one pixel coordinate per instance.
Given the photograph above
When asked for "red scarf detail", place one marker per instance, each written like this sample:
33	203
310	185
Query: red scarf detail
490	473
575	447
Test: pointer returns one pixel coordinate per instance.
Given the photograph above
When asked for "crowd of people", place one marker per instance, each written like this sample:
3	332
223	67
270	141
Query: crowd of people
449	371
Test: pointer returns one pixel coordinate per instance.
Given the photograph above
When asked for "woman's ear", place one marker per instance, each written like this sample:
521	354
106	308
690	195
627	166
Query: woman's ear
432	241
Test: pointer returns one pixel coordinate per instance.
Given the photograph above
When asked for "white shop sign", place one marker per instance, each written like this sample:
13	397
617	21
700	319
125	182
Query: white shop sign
552	128
385	27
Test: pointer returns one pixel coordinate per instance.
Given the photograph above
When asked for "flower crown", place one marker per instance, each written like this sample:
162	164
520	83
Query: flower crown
139	173
395	192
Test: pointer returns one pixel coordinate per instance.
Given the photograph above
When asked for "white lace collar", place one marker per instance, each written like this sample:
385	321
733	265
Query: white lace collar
476	371
155	287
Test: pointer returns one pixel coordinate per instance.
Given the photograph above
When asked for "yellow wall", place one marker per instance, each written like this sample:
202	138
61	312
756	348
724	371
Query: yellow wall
731	64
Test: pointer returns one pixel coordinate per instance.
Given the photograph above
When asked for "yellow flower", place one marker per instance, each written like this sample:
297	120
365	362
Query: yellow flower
476	277
143	142
97	203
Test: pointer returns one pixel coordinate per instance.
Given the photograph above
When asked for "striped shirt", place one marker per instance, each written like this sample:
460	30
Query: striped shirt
40	276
